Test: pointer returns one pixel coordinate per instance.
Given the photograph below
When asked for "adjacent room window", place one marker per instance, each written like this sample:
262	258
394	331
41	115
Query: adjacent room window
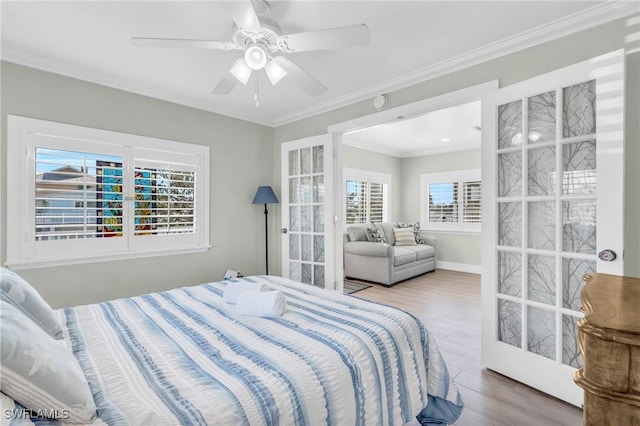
451	201
366	196
81	195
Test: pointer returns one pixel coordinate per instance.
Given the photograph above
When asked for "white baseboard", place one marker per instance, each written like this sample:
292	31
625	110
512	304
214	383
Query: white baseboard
460	267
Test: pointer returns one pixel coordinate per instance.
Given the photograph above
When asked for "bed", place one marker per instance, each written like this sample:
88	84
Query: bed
185	357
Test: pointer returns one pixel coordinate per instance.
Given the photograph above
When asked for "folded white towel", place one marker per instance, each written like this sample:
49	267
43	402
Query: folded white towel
266	304
234	288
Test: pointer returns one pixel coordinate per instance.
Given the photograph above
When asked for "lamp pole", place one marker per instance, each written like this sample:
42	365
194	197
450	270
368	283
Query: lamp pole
265	195
266	239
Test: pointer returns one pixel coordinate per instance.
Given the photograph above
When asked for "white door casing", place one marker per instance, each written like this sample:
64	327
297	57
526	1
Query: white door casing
307	211
552	161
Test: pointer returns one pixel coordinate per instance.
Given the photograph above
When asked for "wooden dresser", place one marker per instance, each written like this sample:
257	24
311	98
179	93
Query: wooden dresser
609	337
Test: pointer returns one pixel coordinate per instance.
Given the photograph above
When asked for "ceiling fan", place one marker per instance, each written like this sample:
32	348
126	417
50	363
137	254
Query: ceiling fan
261	38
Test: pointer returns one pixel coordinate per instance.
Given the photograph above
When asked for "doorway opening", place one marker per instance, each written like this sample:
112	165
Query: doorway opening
381	157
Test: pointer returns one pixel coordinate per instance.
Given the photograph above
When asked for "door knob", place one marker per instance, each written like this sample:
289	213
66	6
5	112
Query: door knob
283	230
607	255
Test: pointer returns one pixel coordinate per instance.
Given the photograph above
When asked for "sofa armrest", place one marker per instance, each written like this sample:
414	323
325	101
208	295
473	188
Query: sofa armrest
430	241
366	248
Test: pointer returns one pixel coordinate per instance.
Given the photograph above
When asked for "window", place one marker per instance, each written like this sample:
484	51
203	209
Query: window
366	196
84	195
451	201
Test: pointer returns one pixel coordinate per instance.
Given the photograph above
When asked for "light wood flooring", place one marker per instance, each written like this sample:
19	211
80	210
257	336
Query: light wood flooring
448	303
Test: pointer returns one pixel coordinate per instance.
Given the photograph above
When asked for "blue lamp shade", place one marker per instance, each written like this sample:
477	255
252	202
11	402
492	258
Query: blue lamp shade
265	195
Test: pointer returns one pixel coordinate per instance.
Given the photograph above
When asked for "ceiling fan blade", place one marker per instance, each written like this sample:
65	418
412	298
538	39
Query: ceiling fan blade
352	35
226	85
176	42
244	15
300	77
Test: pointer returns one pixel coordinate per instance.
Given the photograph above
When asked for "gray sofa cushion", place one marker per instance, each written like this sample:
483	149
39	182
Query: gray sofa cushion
357	233
402	256
422	251
365	248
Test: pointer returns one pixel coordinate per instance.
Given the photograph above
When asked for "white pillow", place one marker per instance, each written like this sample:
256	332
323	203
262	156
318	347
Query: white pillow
16	291
39	372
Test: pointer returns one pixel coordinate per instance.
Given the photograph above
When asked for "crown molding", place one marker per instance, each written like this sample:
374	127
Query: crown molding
442	150
361	145
411	154
585	19
591	17
21	57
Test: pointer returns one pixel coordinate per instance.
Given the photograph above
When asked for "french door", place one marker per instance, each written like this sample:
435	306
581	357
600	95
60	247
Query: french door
307	211
552	167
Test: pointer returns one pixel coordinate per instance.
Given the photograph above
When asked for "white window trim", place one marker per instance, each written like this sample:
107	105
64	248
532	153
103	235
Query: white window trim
460	176
22	133
365	176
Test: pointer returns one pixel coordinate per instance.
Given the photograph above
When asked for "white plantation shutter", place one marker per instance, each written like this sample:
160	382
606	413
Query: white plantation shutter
164	201
356	202
84	194
472	202
166	198
443	202
377	202
70	199
451	201
366	196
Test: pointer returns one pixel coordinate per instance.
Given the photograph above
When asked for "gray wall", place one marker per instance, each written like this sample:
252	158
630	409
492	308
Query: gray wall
241	158
452	247
511	69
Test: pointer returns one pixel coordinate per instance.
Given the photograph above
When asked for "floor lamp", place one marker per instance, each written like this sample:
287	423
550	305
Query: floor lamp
265	195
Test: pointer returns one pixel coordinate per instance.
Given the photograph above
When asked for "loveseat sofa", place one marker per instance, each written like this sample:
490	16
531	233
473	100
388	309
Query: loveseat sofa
371	253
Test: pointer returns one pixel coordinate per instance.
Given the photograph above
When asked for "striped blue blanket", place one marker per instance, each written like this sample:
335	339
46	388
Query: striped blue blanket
185	357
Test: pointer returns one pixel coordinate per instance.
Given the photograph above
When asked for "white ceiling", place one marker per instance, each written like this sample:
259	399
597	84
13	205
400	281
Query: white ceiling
449	129
409	42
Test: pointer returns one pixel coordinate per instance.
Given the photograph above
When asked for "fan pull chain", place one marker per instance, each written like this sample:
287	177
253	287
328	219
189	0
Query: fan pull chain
256	96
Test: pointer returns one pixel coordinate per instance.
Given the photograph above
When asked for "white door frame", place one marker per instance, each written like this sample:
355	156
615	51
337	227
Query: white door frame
337	131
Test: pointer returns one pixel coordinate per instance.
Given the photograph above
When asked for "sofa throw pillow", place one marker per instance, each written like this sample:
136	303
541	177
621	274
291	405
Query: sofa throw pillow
19	293
417	232
39	372
375	233
404	236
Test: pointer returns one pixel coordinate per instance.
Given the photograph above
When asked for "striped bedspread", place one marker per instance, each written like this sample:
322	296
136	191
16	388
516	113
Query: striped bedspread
185	357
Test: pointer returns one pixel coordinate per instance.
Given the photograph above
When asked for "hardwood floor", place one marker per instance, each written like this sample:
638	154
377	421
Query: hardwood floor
448	303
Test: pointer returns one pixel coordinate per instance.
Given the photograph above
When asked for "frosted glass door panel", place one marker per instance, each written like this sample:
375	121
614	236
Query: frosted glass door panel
542	171
542	118
552	190
306	198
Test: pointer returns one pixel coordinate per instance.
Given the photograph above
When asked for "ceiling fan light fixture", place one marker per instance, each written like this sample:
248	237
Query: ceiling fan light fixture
241	71
255	57
274	71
